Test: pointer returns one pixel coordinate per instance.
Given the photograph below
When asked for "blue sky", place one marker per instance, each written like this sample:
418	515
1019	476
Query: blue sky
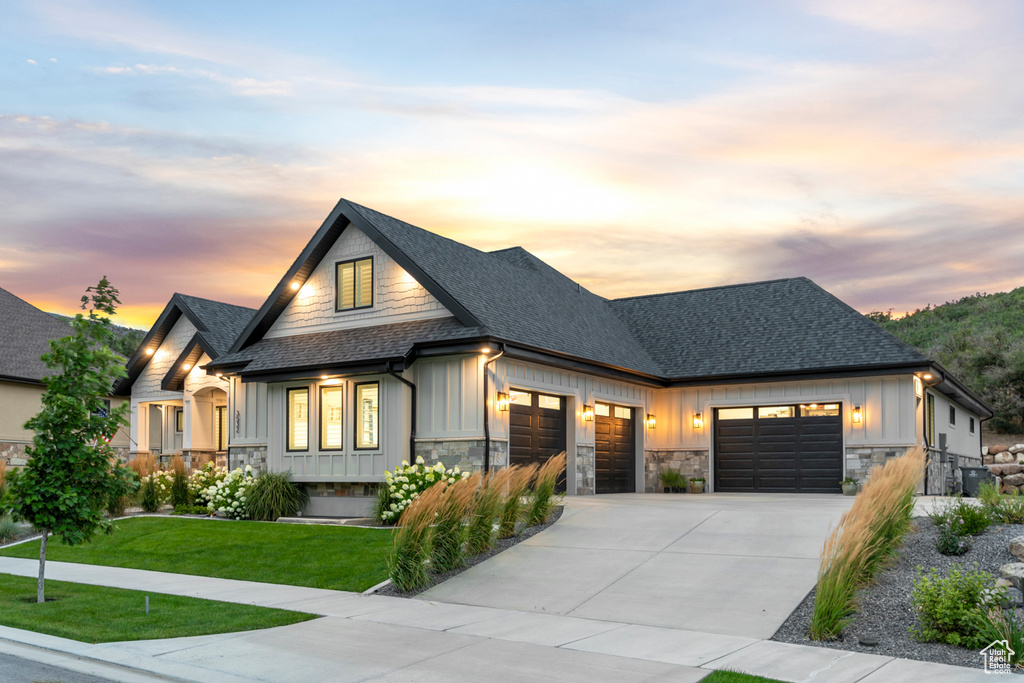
874	146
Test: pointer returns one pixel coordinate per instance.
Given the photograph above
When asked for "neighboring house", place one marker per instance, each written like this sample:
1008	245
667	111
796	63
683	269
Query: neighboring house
177	408
25	335
383	342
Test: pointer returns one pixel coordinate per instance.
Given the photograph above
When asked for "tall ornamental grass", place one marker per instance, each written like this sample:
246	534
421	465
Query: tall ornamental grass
449	537
867	535
512	508
408	559
273	495
543	499
179	482
143	464
486	509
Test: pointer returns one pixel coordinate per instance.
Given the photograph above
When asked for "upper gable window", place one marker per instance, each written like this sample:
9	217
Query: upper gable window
354	284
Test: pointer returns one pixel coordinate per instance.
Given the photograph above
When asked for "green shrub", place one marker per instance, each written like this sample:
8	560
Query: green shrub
995	625
949	607
953	538
190	510
150	495
486	508
1004	508
122	494
973	519
179	489
543	500
9	529
273	495
673	480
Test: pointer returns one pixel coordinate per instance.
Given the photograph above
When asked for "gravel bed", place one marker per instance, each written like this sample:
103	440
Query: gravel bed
500	545
886	612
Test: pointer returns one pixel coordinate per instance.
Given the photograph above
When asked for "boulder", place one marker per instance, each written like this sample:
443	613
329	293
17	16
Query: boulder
1016	448
1004	583
996	470
1005	457
1013	480
1014	598
1010	469
988	459
984	450
1006	488
997	449
1017	547
1014	572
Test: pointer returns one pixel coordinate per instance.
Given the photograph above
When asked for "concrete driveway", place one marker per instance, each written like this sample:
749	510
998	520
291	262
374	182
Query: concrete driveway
733	564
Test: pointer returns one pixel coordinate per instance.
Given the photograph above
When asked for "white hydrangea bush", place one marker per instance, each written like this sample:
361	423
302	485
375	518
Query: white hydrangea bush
226	495
407	482
162	479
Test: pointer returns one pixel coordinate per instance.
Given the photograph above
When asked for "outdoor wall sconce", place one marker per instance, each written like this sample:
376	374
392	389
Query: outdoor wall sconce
858	417
588	413
651	421
698	421
503	401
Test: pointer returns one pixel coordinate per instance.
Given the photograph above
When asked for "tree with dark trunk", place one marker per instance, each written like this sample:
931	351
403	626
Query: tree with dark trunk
72	469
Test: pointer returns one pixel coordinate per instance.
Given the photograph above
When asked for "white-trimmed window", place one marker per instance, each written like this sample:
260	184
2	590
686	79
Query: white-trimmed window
297	419
367	422
354	284
332	417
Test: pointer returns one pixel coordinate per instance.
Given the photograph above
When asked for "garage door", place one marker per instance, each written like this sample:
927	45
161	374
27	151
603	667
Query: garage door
789	448
536	427
615	449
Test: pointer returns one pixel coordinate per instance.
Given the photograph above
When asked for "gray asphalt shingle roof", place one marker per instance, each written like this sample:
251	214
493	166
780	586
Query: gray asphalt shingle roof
25	334
779	326
223	322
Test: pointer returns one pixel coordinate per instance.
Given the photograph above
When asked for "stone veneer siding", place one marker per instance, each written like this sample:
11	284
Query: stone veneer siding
466	454
240	456
12	453
690	463
341	488
586	470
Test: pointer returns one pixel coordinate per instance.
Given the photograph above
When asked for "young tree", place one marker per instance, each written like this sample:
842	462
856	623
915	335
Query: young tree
72	469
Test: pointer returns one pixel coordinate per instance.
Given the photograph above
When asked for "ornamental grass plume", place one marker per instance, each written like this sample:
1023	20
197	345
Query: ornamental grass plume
449	538
486	509
143	465
543	499
407	561
867	535
179	482
519	481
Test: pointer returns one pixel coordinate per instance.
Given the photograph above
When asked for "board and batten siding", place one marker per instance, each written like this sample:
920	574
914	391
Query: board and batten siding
891	416
247	408
347	464
959	438
397	296
449	397
147	386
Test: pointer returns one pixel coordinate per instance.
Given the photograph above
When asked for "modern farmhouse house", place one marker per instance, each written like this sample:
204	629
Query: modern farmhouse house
177	408
384	341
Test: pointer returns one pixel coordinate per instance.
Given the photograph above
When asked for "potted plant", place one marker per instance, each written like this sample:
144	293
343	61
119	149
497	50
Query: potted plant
697	485
673	481
849	486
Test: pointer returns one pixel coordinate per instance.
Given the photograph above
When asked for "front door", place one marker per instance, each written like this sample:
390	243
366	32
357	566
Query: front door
220	428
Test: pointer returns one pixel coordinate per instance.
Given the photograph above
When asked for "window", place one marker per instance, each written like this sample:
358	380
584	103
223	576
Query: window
971	424
298	419
952	416
367	418
179	420
549	402
930	419
602	410
520	398
331	416
354	284
221	435
623	413
776	411
819	410
735	413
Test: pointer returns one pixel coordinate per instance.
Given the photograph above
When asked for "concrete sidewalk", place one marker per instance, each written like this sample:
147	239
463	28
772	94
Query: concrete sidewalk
363	637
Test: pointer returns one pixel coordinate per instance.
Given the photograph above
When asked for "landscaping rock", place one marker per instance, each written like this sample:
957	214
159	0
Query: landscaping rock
1008	489
984	450
1004	583
1014	598
1017	547
997	449
1016	448
1005	458
1014	572
1010	469
988	459
1013	479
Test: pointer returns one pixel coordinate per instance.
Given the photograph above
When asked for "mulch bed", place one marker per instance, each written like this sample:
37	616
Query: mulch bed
500	545
886	612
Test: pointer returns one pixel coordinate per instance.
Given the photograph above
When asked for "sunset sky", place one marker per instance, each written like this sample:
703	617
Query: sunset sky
875	146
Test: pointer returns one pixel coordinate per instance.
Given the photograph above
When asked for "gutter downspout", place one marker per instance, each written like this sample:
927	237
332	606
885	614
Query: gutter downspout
487	423
412	408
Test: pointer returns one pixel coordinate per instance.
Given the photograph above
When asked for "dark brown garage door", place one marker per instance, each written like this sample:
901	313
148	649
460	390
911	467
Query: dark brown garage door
615	448
793	448
536	427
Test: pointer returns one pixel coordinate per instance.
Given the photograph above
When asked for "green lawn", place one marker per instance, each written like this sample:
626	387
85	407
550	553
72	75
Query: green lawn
95	614
340	558
736	677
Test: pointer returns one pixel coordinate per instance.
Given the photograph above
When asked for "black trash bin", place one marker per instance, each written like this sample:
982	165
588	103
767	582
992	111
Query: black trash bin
973	478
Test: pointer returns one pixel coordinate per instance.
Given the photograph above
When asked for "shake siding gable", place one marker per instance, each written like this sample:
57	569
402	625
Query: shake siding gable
148	383
397	297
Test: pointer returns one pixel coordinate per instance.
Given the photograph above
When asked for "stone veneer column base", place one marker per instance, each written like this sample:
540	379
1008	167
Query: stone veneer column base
691	463
466	454
586	469
12	453
240	456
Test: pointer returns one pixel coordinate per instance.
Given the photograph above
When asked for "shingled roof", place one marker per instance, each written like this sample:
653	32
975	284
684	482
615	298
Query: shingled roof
760	328
25	334
510	295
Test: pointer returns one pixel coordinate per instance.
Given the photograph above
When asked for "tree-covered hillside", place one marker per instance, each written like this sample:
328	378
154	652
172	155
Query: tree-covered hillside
980	339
